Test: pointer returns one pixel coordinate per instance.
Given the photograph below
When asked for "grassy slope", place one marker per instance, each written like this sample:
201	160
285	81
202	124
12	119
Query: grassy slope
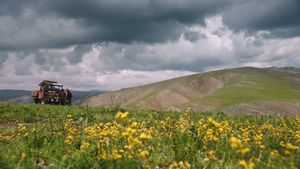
241	85
253	87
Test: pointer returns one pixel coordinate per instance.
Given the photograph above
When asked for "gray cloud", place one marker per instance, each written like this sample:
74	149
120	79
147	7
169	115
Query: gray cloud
35	24
281	16
192	35
3	57
75	56
40	58
15	7
132	12
55	23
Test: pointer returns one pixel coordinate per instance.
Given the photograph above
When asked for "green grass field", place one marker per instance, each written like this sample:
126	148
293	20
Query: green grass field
42	136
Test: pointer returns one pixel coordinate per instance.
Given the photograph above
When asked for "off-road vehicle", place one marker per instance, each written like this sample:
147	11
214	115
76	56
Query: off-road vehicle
51	92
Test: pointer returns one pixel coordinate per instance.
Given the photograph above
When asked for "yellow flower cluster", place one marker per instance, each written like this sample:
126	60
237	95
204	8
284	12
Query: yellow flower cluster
258	139
247	165
288	148
22	155
143	154
211	156
246	133
70	130
211	130
297	136
110	155
167	127
122	116
274	154
179	165
297	133
84	145
184	123
123	138
103	132
21	130
237	145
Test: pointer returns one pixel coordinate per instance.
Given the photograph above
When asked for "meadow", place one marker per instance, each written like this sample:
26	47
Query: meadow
45	136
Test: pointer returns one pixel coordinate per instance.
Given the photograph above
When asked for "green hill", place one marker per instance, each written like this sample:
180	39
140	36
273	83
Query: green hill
239	90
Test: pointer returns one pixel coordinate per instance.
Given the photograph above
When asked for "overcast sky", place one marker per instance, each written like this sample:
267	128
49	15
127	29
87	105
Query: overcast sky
113	44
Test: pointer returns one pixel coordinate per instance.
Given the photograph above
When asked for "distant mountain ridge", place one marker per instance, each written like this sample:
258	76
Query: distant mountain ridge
8	94
246	90
24	96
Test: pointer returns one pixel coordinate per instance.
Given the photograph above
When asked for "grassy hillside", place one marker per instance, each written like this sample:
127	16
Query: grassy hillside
253	87
215	91
42	136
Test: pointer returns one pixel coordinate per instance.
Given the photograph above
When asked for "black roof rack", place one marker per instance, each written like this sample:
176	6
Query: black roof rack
47	82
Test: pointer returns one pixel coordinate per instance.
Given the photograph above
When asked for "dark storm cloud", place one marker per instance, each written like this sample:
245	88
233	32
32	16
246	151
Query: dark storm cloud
137	20
286	32
55	23
127	12
281	16
15	7
34	24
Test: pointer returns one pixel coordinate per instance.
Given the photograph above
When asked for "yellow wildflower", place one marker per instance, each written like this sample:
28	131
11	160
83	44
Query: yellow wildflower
212	155
274	154
245	151
206	159
117	154
179	165
144	136
246	165
84	145
134	124
290	146
143	154
21	128
121	115
287	153
69	139
23	155
235	143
